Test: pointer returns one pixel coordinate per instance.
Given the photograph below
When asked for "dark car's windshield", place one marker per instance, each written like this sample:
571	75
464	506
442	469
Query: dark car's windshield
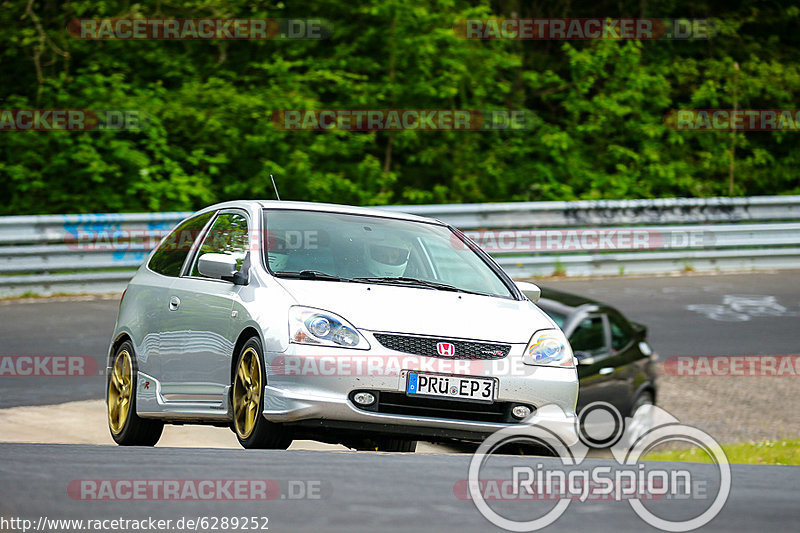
336	246
557	317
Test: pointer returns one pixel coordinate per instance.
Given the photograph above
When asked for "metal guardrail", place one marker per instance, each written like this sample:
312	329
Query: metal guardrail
46	254
612	212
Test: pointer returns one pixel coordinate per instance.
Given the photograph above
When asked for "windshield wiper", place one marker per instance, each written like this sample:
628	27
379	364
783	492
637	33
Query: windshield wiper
413	281
310	274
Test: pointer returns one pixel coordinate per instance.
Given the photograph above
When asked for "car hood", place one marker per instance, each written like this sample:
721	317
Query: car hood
421	311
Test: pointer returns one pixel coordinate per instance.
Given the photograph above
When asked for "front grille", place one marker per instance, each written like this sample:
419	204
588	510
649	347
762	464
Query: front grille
427	346
397	403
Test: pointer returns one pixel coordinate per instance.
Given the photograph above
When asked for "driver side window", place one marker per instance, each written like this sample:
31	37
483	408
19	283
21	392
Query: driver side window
589	336
228	235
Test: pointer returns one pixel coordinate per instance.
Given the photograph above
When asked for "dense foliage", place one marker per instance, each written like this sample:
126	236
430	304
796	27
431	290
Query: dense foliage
600	106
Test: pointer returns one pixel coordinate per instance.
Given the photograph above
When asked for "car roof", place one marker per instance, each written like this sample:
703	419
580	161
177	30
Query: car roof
385	212
565	303
567	299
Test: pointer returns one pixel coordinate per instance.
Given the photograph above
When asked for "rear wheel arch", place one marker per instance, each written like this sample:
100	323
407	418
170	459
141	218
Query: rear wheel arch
121	338
130	429
652	390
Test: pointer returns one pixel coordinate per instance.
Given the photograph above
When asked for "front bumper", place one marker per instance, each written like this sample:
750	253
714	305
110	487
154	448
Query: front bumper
311	386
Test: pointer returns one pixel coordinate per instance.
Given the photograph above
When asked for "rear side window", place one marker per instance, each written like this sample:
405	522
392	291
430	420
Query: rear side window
171	254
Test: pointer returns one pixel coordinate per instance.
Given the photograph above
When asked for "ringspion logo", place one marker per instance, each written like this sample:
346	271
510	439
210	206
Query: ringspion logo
568	478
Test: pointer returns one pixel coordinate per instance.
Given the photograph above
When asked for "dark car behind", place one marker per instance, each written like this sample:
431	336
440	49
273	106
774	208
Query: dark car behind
615	362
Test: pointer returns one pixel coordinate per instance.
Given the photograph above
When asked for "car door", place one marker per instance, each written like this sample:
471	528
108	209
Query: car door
628	356
151	296
200	318
599	369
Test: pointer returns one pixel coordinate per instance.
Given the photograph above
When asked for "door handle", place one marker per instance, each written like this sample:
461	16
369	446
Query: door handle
606	370
174	303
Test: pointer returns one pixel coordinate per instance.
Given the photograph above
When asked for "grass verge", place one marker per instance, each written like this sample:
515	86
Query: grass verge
768	452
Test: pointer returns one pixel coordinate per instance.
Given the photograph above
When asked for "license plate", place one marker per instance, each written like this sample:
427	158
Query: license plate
451	387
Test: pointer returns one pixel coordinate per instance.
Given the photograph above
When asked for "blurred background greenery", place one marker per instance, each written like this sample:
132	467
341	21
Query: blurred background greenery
209	137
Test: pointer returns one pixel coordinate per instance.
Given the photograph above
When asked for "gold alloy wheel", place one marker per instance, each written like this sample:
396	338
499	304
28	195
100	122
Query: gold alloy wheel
247	393
120	387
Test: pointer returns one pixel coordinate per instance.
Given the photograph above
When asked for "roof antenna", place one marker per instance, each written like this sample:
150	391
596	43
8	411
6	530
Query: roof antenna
275	187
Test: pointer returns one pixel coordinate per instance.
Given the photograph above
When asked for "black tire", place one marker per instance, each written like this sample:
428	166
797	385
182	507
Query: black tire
385	444
263	434
526	448
397	445
135	431
644	398
641	425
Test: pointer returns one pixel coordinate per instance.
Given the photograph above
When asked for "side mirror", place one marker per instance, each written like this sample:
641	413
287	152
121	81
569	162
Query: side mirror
532	291
217	266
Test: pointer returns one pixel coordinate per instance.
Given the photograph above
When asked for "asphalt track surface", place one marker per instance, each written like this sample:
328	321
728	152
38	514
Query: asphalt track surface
357	491
361	491
766	325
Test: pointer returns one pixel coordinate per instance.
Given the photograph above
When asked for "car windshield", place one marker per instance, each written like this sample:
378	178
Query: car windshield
344	247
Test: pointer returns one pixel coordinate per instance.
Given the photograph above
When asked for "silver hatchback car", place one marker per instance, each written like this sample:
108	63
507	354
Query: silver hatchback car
289	320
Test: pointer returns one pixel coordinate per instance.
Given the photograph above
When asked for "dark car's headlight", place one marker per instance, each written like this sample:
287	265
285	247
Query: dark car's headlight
315	326
549	347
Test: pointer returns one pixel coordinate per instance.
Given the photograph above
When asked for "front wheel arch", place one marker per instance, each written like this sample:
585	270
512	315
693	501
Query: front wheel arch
247	333
646	388
263	434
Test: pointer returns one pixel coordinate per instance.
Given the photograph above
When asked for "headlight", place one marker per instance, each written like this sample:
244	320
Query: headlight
314	326
549	347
